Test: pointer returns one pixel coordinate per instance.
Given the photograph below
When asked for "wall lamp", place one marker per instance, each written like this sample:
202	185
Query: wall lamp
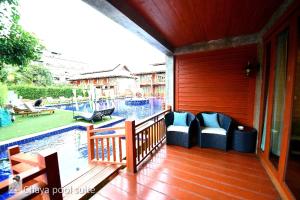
250	68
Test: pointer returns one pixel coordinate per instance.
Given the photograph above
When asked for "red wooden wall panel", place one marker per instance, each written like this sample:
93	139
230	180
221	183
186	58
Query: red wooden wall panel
216	81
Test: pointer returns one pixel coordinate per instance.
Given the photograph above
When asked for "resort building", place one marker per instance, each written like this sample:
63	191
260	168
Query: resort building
151	80
117	81
120	81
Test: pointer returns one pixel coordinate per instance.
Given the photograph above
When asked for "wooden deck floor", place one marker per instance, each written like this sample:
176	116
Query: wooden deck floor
179	173
95	177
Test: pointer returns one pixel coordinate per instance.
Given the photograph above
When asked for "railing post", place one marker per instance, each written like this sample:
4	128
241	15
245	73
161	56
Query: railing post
130	146
13	150
90	143
50	162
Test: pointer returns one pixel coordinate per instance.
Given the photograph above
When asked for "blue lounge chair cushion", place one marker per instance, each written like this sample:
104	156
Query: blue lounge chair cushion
180	119
210	120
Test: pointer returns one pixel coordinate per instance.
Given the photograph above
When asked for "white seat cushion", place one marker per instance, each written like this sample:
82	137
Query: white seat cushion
219	131
183	129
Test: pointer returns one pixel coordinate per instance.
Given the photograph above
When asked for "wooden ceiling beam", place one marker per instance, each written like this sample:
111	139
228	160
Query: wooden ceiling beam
218	44
123	14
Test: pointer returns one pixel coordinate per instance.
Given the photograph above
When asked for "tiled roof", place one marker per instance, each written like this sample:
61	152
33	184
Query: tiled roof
117	71
154	68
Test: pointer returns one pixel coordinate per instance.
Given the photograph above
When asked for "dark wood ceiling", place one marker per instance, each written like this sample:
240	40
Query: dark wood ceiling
184	22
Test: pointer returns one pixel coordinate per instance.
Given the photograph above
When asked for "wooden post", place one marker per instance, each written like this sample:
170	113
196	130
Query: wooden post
50	162
130	146
13	150
90	143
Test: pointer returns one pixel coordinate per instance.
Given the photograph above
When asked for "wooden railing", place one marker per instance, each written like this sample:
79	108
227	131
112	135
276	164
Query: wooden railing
39	174
141	139
107	148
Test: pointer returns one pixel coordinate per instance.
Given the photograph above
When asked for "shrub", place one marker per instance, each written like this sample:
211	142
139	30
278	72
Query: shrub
3	94
35	92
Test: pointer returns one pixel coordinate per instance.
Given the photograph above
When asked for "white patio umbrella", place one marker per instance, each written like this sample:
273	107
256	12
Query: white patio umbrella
75	99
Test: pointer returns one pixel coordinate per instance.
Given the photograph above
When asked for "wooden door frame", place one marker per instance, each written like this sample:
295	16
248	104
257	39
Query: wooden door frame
290	21
292	63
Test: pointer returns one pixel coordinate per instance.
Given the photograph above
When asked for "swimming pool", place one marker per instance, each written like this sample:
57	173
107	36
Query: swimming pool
75	158
71	148
72	138
121	109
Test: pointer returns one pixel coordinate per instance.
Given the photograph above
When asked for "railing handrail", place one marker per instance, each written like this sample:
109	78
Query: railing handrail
100	130
143	121
142	128
113	135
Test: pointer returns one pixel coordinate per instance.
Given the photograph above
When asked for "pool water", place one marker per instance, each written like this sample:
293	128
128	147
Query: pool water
71	147
121	109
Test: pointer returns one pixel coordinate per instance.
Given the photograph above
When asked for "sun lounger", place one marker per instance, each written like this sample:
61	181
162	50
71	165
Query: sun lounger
20	109
107	112
90	117
38	103
37	111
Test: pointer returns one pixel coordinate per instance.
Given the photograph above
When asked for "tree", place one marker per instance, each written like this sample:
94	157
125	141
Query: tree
37	75
3	75
31	74
8	14
17	46
20	48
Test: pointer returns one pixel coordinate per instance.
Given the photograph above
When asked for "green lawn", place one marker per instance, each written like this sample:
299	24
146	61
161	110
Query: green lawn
29	124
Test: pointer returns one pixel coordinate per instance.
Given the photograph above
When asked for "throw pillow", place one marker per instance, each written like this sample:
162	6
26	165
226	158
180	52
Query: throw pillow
210	120
180	119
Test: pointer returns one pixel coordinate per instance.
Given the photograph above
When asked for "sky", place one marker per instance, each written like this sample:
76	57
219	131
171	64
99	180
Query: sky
80	32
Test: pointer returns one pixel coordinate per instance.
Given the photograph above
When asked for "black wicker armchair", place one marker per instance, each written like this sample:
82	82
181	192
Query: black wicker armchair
215	137
185	136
